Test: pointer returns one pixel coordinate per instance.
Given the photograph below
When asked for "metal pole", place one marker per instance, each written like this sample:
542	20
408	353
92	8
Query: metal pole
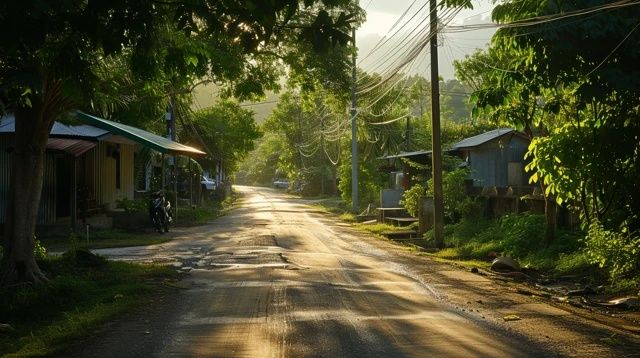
438	214
354	130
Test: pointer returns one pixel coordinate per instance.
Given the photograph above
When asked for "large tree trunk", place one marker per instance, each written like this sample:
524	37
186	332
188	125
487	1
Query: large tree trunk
32	131
32	127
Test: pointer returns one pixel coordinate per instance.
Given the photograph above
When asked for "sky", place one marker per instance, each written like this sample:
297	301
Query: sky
383	14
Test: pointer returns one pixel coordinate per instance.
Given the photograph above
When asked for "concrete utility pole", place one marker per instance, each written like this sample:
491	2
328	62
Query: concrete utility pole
171	134
436	154
354	131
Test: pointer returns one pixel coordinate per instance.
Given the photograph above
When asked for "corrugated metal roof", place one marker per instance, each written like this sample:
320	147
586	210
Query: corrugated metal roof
482	138
140	136
8	125
74	147
406	154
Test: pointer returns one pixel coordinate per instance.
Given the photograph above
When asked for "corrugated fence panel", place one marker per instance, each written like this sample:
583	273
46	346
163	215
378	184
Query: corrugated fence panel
47	209
5	174
108	186
127	171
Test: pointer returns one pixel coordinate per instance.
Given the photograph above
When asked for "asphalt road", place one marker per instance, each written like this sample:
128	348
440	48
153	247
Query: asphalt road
275	278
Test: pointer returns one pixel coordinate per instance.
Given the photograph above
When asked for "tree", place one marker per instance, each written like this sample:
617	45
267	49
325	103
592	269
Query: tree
227	130
576	75
52	52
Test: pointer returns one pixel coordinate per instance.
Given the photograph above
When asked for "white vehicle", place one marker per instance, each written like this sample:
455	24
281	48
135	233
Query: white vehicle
208	183
281	184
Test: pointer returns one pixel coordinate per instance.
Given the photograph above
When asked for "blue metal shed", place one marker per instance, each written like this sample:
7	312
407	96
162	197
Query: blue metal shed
495	158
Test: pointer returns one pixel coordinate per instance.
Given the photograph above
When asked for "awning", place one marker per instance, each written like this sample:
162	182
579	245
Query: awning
74	147
147	139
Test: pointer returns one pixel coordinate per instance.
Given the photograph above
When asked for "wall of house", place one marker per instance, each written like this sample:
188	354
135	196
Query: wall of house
47	209
100	174
490	162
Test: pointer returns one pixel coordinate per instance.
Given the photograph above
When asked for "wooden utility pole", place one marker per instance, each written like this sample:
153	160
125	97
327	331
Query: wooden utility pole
354	131
436	154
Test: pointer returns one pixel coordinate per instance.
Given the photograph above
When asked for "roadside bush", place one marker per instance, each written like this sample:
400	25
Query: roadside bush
411	199
370	182
522	233
617	253
457	204
132	206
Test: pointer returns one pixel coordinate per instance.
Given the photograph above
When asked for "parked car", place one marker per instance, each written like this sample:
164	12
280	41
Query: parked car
208	183
281	184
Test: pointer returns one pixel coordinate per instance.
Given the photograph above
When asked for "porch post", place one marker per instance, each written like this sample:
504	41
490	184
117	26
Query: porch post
74	194
175	186
190	185
163	174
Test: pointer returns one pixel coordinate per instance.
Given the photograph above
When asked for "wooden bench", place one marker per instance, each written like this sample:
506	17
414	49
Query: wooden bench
382	212
401	221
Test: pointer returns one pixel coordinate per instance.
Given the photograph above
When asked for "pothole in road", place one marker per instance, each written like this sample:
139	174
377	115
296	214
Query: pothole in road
248	259
261	240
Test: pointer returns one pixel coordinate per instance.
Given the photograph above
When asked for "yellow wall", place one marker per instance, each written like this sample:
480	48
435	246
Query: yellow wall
100	174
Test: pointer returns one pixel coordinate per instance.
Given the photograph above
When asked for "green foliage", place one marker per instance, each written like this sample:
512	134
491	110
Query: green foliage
370	182
577	101
76	301
617	253
262	164
411	198
522	234
132	206
457	204
521	237
593	167
227	131
39	251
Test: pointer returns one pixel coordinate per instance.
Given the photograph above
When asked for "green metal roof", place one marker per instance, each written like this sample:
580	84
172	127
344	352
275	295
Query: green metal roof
147	139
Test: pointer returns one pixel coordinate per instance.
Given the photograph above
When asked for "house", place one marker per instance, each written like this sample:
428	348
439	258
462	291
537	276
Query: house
90	165
495	158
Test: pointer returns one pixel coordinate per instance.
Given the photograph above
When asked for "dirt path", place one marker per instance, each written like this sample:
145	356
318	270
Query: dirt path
275	279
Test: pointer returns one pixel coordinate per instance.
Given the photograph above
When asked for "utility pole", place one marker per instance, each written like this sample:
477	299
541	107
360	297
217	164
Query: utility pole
171	134
436	154
354	131
322	162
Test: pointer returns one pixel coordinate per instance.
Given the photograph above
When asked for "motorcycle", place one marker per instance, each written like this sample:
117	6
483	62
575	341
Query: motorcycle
160	212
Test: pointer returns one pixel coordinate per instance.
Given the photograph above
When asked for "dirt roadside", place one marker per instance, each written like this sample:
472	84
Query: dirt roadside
567	328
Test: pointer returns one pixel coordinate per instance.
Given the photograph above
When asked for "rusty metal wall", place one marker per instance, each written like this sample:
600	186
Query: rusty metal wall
47	209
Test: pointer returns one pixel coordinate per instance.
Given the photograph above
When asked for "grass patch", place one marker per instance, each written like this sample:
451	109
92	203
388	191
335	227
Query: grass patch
378	229
100	238
84	292
348	217
521	237
332	204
